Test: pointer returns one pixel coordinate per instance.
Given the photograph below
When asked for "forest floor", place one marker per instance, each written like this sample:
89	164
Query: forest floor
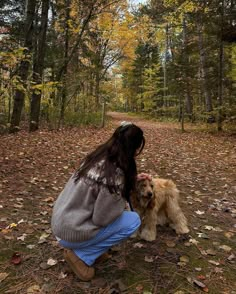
33	170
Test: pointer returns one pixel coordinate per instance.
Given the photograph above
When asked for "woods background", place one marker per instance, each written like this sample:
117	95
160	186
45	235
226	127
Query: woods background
61	61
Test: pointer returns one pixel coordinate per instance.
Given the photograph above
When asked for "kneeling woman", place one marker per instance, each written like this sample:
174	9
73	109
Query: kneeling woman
89	215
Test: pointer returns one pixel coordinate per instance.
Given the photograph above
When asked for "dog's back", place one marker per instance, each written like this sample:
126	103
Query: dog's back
165	186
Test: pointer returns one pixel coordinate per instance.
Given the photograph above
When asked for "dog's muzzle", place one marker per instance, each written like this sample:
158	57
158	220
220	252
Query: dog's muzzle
149	195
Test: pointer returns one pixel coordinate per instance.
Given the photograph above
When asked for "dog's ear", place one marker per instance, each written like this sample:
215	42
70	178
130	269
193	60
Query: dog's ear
138	188
138	184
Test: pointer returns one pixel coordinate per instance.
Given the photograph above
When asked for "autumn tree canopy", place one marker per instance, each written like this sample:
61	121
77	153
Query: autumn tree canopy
62	60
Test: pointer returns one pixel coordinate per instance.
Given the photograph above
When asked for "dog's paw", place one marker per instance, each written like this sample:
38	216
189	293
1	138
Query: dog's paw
184	231
147	235
134	235
180	229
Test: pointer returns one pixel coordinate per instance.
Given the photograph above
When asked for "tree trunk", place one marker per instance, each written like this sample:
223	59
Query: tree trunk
103	113
221	74
19	96
38	69
97	89
188	100
203	68
165	67
65	66
185	58
10	99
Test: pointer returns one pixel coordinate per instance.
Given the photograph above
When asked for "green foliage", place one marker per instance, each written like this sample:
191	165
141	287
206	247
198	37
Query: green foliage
11	56
177	62
76	119
72	119
151	83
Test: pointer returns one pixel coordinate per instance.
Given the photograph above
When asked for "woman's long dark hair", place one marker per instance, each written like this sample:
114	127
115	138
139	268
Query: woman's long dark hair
126	142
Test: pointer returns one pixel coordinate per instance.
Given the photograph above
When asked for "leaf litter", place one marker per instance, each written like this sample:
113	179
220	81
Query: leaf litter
45	161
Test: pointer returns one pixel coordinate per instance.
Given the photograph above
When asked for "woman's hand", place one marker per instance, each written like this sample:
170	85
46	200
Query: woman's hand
144	176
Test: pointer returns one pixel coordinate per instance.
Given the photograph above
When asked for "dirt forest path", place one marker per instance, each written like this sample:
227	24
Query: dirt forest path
34	169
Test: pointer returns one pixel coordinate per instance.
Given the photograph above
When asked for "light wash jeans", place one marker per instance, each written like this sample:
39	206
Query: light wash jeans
123	227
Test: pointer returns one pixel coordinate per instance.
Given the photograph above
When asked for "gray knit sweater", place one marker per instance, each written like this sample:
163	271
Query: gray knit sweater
86	206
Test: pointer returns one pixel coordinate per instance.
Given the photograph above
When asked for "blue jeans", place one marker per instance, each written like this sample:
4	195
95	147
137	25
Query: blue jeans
113	234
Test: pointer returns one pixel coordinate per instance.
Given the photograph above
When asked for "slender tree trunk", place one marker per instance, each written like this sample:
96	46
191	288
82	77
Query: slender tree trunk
38	69
103	113
10	99
65	66
188	100
19	96
165	66
97	89
221	72
203	67
185	58
220	93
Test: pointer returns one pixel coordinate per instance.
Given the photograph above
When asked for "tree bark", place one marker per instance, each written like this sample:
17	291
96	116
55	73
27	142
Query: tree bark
188	96
38	69
165	66
97	89
19	96
203	67
221	71
65	66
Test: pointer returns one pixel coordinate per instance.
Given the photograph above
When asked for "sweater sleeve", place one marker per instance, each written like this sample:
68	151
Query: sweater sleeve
108	207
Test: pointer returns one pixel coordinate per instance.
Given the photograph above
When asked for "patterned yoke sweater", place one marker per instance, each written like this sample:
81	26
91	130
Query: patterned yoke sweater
85	206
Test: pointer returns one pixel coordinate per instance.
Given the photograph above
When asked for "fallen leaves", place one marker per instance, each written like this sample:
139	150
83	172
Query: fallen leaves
203	235
170	244
16	258
149	258
214	262
51	262
211	228
30	246
229	235
231	257
183	260
33	289
199	212
138	245
226	248
49	199
3	276
211	252
201	285
62	276
12	225
193	241
22	237
43	238
47	159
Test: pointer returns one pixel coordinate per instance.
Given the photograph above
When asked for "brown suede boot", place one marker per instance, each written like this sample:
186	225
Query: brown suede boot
81	269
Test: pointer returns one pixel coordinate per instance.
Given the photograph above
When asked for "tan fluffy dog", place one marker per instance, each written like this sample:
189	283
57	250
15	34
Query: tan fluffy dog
157	202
